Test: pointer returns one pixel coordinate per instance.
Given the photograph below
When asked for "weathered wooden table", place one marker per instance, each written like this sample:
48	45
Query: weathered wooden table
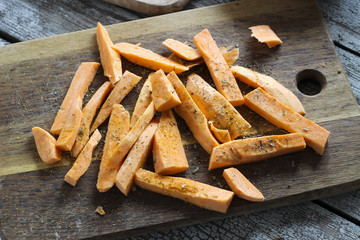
335	217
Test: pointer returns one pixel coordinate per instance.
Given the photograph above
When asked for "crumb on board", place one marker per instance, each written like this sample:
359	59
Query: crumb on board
100	210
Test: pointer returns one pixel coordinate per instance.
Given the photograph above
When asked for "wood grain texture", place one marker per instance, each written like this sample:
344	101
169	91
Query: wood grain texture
351	63
293	222
75	207
39	19
343	22
346	203
151	7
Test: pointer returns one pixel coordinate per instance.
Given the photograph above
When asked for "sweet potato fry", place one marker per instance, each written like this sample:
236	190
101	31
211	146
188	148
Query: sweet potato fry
118	127
83	161
284	117
199	194
78	87
125	85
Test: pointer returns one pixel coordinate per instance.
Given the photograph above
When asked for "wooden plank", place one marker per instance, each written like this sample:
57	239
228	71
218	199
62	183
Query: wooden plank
351	63
343	22
302	221
44	79
347	204
49	203
27	20
3	42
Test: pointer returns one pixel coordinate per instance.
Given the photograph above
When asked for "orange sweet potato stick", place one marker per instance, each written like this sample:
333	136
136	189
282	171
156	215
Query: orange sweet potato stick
199	194
142	102
136	158
78	87
284	117
168	152
113	165
68	134
224	80
163	93
270	85
221	135
148	59
194	118
182	50
45	145
83	161
255	149
241	186
215	107
125	85
89	112
118	127
230	56
110	59
264	34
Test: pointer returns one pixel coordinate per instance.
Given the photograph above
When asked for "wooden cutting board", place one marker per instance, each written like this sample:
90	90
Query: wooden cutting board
35	75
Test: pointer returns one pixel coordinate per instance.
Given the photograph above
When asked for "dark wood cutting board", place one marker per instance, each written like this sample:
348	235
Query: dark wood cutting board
35	75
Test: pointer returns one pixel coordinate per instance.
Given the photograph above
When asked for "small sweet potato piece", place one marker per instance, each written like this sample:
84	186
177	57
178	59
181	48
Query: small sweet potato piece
241	186
199	194
45	145
264	34
221	135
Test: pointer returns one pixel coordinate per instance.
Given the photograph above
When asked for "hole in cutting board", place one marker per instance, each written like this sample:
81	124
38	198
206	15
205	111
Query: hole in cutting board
310	82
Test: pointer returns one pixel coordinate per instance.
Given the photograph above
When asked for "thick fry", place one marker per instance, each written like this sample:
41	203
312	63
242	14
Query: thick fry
221	135
255	149
168	152
192	115
199	194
